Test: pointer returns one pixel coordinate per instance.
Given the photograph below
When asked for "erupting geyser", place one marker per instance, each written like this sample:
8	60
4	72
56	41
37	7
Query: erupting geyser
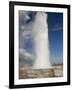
41	42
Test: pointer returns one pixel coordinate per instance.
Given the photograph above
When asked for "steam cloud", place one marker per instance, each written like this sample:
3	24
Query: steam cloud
41	42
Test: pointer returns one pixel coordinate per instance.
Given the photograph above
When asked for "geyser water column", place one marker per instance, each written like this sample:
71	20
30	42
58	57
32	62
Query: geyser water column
41	42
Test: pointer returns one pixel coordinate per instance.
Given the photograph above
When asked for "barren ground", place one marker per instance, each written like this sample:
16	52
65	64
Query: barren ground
56	71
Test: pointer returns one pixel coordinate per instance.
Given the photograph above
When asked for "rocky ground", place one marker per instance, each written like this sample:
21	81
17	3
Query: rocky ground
56	71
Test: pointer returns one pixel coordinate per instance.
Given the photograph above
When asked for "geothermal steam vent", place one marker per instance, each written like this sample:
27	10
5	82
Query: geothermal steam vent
41	42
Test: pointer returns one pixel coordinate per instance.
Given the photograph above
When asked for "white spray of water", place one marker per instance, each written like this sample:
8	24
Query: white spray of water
41	42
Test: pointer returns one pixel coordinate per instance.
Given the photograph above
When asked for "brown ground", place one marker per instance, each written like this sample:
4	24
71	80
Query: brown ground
56	71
